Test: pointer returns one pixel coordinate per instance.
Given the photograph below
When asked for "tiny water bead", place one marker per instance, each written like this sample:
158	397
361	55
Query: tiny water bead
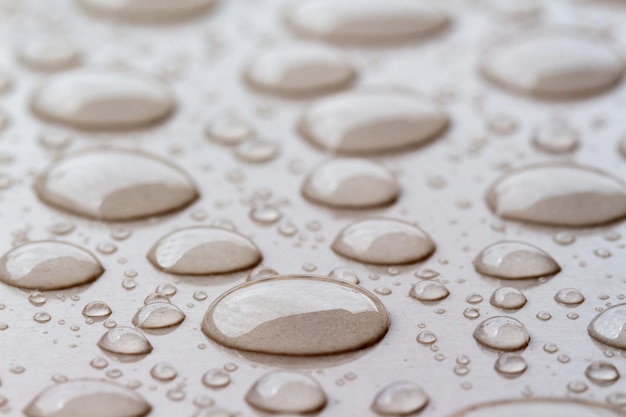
471	313
383	241
229	130
569	296
97	309
265	214
426	337
558	194
602	373
37	299
510	364
556	138
286	392
115	184
216	378
204	251
351	184
502	333
158	315
540	407
609	327
163	372
296	315
48	265
508	298
125	341
429	291
48	55
550	348
400	398
344	273
148	10
257	151
42	317
372	121
515	260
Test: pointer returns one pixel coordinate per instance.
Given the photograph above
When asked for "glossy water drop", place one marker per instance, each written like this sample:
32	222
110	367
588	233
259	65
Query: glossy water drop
204	251
42	317
265	214
383	241
569	296
216	378
515	260
87	397
97	309
502	333
296	315
115	185
125	341
557	64
167	289
158	316
559	194
609	327
286	393
564	238
366	21
429	291
351	184
556	138
508	298
163	372
426	337
229	130
49	55
345	274
602	373
426	273
37	299
101	99
400	398
471	313
372	121
148	10
257	151
510	364
538	407
48	265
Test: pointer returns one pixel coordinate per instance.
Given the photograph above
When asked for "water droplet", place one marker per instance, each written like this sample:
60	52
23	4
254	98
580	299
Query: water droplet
474	299
351	184
429	291
556	138
156	298
538	407
257	151
158	316
49	55
37	299
400	398
216	378
471	313
564	238
87	397
296	315
426	337
559	195
48	265
261	272
508	298
200	296
42	317
366	22
166	289
577	387
265	214
515	260
569	296
617	399
97	309
602	373
372	121
55	141
106	248
125	341
204	251
229	130
558	64
550	348
163	372
345	274
544	316
510	364
99	99
609	327
115	185
99	363
148	10
502	333
382	290
61	228
286	392
383	241
230	367
502	125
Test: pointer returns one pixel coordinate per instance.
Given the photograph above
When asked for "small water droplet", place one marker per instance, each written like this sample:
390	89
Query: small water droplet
37	299
99	363
344	273
216	378
569	296
257	151
429	291
564	238
42	317
125	341
550	348
158	316
577	387
163	371
602	373
515	260
229	130
286	393
400	398
502	333
508	298
510	364
265	214
97	309
426	337
49	54
556	138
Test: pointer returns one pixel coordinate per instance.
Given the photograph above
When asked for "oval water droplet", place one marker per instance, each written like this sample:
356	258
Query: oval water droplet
383	241
372	121
508	298
400	398
602	373
149	10
203	251
345	274
163	372
429	291
115	185
502	333
229	130
87	397
257	151
286	392
125	341
158	316
48	265
557	64
609	327
102	99
510	364
48	55
538	407
97	309
426	337
296	315
366	21
216	378
261	272
569	296
556	138
515	260
351	184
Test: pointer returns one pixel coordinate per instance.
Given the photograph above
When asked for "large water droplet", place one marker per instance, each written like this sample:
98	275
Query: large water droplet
538	407
160	10
99	99
372	121
286	392
508	298
87	397
400	398
48	55
296	315
158	316
204	251
383	241
502	333
366	21
429	291
48	265
559	64
609	327
559	195
125	341
115	185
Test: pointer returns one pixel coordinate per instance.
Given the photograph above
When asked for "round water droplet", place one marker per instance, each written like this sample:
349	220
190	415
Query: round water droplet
558	64
471	313
383	241
400	398
265	214
609	327
100	99
229	130
351	184
166	289
149	10
372	121
502	333
97	309
556	138
538	407
163	372
87	397
115	185
286	392
42	317
48	55
37	299
426	337
345	274
216	378
296	315
508	298
125	341
204	251
299	70
577	387
602	373
429	291
511	364
515	260
569	296
48	265
559	194
158	316
564	238
257	151
366	21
